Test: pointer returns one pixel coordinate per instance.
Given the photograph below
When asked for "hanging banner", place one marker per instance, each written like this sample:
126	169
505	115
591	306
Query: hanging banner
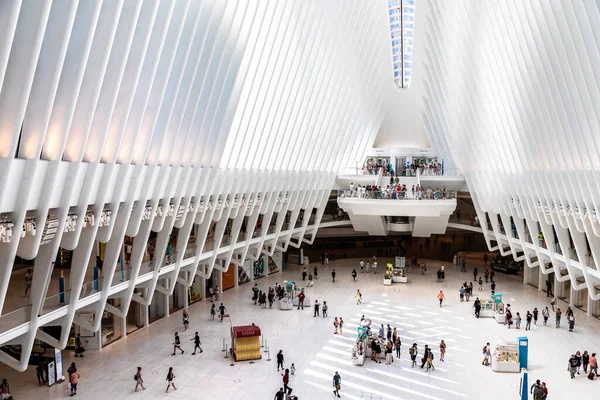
275	262
245	272
229	277
260	267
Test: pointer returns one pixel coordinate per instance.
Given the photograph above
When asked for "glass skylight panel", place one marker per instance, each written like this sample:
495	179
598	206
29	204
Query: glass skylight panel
402	24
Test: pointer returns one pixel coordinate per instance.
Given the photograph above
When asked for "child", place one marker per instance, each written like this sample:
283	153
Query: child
293	369
518	321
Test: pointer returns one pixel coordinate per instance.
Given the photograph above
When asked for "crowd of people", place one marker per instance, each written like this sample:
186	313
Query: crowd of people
397	191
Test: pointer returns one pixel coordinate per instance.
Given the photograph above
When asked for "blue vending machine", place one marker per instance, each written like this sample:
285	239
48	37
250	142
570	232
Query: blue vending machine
523	350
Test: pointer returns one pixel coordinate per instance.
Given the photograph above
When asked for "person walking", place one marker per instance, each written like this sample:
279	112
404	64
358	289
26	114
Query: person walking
304	273
486	275
222	312
177	344
578	358
39	372
333	275
362	266
213	311
170	379
5	389
594	364
475	274
186	320
280	395
571	319
480	281
73	381
441	297
549	288
374	266
442	350
397	345
341	325
325	308
518	321
79	349
354	275
585	361
280	360
286	381
317	305
413	351
486	355
477	307
572	366
301	298
553	303
336	325
545	315
528	318
337	384
197	343
28	281
535	316
463	266
461	292
316	272
557	317
430	361
358	296
138	379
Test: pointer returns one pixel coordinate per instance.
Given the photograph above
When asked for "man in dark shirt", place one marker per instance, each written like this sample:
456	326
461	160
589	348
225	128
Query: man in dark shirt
573	361
279	395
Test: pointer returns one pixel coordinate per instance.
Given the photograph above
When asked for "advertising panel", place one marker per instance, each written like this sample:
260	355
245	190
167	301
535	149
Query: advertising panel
260	267
245	272
229	277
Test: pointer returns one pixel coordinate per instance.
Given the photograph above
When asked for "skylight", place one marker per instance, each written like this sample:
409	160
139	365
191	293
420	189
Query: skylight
402	17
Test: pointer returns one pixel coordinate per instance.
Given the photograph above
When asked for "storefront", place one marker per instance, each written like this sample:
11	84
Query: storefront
110	330
229	277
195	291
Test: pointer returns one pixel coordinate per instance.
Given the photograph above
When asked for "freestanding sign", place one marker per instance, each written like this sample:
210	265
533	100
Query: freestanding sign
523	350
58	362
51	374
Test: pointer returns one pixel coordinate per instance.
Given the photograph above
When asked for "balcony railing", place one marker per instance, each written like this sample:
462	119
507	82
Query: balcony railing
380	195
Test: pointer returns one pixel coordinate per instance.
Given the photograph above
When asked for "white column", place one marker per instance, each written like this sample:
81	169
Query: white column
145	317
166	299
541	279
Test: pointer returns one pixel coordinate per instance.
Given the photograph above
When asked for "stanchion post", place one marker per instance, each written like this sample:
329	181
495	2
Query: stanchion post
224	345
226	352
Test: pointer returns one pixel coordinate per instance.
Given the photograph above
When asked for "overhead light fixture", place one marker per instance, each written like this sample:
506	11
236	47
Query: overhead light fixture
201	207
29	227
180	211
159	210
190	207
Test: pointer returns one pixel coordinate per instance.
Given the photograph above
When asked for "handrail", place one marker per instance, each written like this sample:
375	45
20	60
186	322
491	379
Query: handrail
380	195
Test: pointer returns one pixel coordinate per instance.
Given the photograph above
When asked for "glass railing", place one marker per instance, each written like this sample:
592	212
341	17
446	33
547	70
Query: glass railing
257	233
53	303
271	229
15	318
392	195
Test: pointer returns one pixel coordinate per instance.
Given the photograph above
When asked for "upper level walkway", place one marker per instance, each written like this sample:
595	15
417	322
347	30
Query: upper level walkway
429	208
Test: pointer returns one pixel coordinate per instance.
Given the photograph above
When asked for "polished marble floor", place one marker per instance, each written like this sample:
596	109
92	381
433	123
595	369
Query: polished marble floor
317	353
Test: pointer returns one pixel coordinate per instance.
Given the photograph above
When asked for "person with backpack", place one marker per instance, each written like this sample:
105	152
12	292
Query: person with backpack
536	390
170	379
138	379
177	344
196	340
486	355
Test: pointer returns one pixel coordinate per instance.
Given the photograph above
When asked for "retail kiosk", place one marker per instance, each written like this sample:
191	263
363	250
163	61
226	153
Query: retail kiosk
245	343
487	308
505	358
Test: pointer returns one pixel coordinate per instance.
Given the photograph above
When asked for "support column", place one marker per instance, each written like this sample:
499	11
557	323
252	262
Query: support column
527	273
123	322
145	317
592	307
541	280
166	299
559	289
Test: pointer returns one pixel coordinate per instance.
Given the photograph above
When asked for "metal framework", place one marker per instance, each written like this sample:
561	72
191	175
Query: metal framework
131	116
512	94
